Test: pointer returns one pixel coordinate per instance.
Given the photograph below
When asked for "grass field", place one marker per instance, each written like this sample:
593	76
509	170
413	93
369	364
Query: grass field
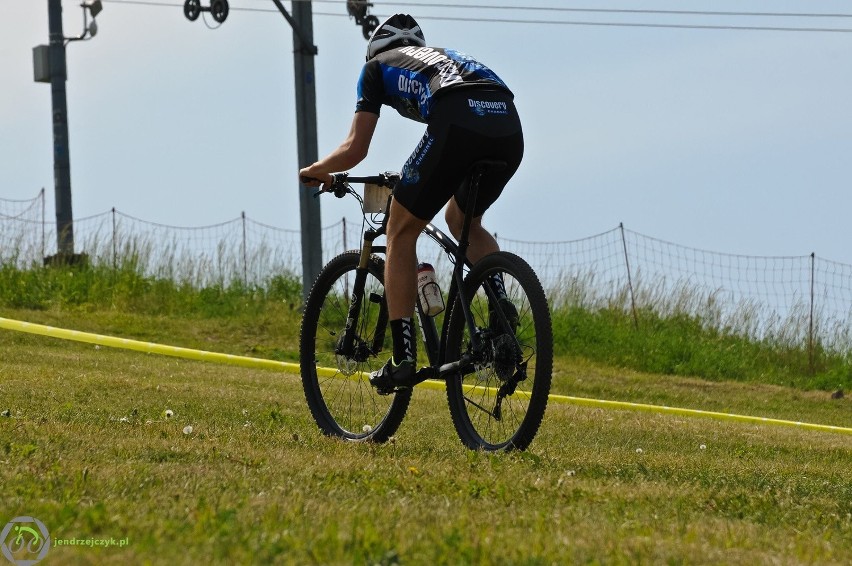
87	448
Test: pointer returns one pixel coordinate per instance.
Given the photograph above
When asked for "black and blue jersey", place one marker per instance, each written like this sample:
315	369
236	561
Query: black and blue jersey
409	79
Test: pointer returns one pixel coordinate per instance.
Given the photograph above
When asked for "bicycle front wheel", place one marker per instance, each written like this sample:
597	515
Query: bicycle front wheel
498	402
336	379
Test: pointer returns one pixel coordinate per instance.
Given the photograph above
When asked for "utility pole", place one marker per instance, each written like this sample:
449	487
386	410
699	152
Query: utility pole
49	66
61	156
304	52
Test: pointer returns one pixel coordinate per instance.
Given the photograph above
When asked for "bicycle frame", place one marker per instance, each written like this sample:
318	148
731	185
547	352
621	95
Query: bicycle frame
435	344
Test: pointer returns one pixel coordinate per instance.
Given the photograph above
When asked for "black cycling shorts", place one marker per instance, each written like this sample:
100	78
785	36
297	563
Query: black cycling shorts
465	126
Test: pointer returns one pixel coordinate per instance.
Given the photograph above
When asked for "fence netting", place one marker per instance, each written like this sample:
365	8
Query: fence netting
793	299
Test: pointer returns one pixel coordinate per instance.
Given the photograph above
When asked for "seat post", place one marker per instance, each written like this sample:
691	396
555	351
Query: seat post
473	184
474	177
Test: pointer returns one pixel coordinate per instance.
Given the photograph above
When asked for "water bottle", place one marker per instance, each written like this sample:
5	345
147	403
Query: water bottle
428	292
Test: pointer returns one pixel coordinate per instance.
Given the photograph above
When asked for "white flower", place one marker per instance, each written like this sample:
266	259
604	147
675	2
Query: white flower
367	428
169	413
703	447
187	429
639	451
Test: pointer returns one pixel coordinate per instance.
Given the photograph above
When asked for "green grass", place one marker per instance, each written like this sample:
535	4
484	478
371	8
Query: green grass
88	450
87	447
685	345
665	340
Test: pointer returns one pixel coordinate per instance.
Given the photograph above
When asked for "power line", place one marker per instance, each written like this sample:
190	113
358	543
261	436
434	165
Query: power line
599	10
568	22
638	24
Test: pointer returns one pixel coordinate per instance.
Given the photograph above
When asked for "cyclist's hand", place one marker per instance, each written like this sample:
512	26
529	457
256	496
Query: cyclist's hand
312	178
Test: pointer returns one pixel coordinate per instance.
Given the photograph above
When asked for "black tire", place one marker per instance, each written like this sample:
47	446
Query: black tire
473	396
337	388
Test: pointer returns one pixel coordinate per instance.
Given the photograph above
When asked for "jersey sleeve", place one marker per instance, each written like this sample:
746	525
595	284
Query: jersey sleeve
370	88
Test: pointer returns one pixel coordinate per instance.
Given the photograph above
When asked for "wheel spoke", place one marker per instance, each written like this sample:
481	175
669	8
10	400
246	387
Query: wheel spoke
342	402
518	404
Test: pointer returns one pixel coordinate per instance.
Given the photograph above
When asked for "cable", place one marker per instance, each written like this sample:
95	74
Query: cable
563	22
599	10
636	24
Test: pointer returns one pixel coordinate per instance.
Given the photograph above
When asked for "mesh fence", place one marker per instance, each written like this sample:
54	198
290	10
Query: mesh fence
788	299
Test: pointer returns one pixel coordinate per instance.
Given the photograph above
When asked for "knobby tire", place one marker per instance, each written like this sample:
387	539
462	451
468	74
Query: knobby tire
337	388
473	396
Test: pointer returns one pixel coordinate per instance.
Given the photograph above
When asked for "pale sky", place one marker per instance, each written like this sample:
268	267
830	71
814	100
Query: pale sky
727	140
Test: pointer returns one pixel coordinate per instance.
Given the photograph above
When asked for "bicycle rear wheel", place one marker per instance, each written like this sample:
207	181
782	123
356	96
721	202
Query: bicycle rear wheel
336	383
495	405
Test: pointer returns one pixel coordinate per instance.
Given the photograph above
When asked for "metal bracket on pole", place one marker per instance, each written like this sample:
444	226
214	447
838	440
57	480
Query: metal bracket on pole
358	9
307	47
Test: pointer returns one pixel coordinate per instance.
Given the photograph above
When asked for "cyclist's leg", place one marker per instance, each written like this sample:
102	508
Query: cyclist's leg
401	279
481	241
401	261
495	136
400	294
411	210
416	201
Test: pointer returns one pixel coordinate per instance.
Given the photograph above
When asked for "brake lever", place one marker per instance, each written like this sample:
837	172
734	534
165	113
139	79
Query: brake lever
392	178
337	185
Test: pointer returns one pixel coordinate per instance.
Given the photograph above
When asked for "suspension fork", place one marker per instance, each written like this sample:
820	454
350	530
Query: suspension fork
346	346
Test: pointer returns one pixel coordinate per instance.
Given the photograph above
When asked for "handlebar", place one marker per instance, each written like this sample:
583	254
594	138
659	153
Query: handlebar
340	182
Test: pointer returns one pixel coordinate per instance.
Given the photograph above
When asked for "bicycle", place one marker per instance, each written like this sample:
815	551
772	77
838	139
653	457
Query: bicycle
496	359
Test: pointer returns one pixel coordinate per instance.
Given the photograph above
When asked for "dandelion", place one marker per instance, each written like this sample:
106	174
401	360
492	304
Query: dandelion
639	451
169	413
367	428
187	429
703	447
565	476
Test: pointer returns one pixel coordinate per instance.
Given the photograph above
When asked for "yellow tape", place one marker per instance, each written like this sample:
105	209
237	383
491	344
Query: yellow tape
147	347
200	355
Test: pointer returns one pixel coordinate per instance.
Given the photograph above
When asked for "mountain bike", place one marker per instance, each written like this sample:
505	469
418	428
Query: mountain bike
494	353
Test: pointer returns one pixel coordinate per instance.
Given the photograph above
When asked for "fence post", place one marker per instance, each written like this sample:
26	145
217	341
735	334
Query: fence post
629	278
811	353
43	219
245	252
114	242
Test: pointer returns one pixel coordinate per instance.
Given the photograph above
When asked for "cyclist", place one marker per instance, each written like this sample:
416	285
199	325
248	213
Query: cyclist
470	115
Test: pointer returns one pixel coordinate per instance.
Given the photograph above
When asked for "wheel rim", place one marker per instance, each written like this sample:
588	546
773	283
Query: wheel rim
351	404
480	389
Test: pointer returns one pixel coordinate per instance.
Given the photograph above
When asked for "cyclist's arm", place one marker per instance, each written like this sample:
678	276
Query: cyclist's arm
350	153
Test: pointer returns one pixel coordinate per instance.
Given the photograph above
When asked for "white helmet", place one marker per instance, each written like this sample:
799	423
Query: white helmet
396	31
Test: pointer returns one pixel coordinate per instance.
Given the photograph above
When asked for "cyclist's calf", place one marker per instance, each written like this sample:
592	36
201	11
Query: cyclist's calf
481	241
